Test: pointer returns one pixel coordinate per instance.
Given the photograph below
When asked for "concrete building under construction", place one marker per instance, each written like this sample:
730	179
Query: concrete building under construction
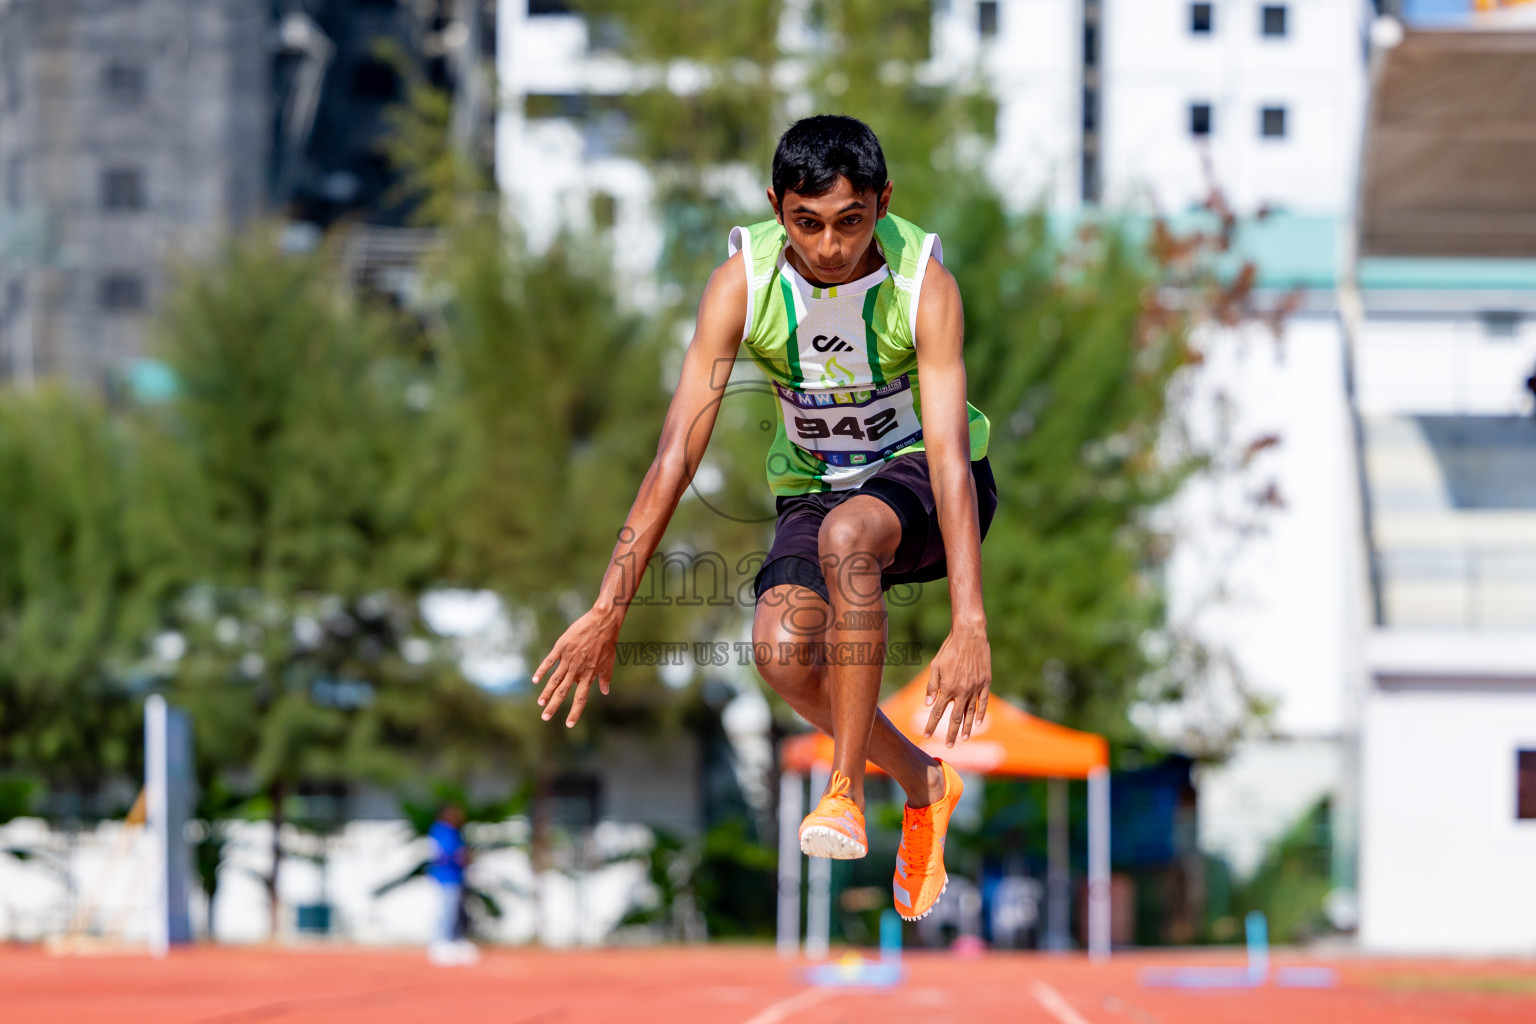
130	134
135	134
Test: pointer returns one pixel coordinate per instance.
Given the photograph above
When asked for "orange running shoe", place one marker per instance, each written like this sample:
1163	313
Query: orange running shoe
920	878
835	828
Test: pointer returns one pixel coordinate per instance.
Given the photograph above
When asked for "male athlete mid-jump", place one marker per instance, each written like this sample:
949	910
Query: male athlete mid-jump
879	480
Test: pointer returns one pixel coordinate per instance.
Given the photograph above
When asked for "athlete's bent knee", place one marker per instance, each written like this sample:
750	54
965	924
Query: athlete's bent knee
843	536
786	662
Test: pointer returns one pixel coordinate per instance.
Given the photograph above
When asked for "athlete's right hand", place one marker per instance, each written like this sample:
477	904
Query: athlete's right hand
584	652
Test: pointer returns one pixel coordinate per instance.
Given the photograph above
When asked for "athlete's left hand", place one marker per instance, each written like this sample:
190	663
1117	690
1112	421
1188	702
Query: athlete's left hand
961	674
584	652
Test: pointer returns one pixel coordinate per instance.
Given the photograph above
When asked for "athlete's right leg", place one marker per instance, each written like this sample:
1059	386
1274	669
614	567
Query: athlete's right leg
789	618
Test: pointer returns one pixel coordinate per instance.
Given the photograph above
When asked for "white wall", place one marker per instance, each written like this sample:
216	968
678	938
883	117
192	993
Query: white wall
1273	593
1034	68
1445	867
1154	68
1448	365
643	782
108	868
1276	599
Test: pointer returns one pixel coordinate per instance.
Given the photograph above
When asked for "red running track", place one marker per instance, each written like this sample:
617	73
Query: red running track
720	985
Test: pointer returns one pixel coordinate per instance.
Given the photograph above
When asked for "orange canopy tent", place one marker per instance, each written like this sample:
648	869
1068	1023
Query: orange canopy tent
1007	742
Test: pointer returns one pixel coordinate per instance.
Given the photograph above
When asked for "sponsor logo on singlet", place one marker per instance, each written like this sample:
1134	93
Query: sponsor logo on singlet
822	343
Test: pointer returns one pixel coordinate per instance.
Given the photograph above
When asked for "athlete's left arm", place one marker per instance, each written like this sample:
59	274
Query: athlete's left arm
961	673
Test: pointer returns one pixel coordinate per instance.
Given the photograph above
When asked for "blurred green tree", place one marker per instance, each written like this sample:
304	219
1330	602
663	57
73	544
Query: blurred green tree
81	559
438	180
557	401
305	420
1292	884
722	879
552	388
705	127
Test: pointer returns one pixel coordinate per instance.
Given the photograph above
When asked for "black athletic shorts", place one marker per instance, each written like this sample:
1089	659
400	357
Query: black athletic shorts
902	484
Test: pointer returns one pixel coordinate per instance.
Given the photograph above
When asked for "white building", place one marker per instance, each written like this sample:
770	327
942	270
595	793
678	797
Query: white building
1445	348
131	136
1447	717
1400	627
1124	100
1263	99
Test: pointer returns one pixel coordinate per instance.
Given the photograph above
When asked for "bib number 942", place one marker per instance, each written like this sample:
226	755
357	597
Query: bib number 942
851	426
873	427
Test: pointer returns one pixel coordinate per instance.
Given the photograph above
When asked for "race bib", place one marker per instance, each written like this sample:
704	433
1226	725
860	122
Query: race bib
851	426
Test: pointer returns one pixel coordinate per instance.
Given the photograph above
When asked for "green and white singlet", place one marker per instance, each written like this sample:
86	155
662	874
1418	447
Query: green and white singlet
842	359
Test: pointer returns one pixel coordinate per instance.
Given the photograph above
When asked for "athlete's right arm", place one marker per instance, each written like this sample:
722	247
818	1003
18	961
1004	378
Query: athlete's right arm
586	650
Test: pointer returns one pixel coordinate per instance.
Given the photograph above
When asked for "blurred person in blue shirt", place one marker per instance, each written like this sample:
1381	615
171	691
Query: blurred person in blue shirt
450	856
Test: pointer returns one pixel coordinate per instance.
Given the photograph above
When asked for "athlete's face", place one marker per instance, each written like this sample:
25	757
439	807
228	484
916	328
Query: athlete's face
831	234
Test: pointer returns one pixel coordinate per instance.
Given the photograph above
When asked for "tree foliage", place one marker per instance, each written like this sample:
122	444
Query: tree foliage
437	178
310	528
81	560
557	403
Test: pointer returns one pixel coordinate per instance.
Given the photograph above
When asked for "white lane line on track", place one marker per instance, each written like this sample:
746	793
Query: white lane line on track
786	1008
1050	1000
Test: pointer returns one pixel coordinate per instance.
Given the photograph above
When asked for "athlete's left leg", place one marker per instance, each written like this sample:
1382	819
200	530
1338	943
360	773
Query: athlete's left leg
787	664
857	540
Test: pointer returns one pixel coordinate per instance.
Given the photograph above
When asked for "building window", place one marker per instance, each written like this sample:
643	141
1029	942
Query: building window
1500	323
375	80
1200	17
1091	168
15	181
10	81
121	292
1272	122
540	7
124	84
1200	119
1272	20
574	801
986	18
1525	785
122	189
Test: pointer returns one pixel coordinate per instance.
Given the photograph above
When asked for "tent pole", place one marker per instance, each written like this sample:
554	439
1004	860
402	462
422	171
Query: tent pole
1058	880
791	810
1098	863
818	903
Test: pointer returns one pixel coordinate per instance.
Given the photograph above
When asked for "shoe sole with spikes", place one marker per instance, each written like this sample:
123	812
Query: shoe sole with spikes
925	913
821	841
